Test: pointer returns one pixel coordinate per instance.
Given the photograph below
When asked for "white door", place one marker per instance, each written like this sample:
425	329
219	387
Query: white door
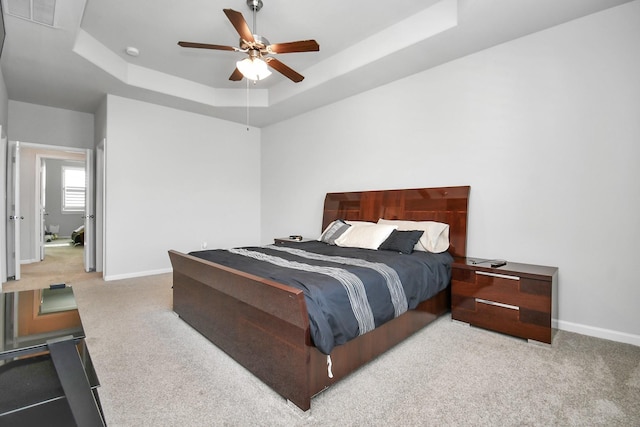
89	215
13	211
99	196
3	210
42	208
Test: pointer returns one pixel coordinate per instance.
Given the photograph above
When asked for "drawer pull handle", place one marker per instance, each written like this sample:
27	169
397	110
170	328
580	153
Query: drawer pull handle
502	276
499	304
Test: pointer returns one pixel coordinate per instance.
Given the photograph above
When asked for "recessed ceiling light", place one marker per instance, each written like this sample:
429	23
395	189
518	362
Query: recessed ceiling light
132	51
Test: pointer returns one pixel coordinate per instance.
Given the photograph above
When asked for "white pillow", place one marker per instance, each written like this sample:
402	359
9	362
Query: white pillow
365	235
435	238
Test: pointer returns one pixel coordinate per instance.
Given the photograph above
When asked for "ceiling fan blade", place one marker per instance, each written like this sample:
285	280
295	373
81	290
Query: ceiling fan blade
238	22
236	75
284	70
207	46
299	46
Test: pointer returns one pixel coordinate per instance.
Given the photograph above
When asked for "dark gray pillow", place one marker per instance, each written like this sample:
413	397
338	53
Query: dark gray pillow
401	241
333	231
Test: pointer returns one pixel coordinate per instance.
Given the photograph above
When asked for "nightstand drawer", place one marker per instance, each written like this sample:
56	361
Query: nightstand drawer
473	276
505	289
503	318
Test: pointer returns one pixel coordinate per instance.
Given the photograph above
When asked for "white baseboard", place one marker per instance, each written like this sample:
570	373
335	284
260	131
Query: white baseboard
593	331
108	278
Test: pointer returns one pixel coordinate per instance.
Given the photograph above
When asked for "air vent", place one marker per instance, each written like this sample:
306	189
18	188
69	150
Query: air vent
38	11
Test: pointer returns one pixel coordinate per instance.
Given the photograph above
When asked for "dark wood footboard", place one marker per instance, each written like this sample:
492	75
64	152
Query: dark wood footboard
261	324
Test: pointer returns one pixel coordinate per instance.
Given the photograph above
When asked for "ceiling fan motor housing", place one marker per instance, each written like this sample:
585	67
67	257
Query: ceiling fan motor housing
255	5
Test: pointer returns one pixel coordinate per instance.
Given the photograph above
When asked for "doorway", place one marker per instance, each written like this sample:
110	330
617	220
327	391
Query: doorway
61	206
53	214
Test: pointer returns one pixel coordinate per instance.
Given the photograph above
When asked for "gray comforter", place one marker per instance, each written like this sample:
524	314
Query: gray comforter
348	291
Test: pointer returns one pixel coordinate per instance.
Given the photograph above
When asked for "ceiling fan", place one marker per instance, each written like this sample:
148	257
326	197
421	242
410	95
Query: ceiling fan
255	67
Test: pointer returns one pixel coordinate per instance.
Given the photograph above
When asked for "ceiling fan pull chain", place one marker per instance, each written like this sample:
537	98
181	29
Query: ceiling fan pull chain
247	104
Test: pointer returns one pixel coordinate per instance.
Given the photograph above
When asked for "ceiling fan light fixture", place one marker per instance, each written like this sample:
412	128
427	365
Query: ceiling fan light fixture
253	68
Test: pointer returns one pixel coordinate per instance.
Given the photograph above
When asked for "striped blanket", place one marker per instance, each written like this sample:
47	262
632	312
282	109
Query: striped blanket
348	291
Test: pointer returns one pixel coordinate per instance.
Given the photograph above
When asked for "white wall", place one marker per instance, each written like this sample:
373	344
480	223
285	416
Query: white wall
545	129
50	126
174	180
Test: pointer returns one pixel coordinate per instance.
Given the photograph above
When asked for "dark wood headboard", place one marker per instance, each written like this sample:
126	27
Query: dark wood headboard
444	204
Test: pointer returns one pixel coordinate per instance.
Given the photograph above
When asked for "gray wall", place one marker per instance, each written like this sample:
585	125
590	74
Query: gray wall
545	129
175	180
4	105
50	126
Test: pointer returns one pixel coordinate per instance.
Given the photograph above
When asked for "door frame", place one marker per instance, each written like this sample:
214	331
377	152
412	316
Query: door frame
45	151
101	214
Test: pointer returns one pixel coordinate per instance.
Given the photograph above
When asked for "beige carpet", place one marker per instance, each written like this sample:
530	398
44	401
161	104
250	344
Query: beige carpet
61	264
157	371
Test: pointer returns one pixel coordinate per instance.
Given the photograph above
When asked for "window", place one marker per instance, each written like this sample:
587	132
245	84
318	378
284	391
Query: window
73	187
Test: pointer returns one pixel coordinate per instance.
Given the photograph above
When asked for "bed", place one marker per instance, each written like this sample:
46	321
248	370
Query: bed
264	324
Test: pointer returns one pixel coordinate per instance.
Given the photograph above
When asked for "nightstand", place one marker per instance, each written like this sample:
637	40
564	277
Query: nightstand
515	299
281	240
